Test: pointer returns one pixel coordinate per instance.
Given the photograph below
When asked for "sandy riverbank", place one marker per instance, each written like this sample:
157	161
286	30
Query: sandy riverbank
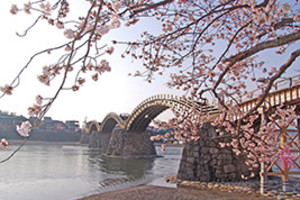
148	192
190	190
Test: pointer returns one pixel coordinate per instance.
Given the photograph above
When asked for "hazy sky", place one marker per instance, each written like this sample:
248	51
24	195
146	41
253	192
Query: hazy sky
114	92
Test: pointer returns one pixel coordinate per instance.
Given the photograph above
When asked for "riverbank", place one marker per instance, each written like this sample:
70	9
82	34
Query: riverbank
248	190
149	192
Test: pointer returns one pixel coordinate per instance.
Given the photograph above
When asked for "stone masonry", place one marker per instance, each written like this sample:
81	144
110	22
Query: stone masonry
94	139
99	140
131	145
85	138
204	160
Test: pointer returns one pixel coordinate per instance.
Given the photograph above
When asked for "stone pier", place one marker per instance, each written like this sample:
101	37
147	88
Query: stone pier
131	145
204	160
99	140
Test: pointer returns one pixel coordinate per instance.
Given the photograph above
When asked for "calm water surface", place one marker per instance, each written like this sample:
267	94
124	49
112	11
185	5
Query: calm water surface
70	172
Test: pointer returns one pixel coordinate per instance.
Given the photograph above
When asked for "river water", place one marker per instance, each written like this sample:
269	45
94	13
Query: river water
69	172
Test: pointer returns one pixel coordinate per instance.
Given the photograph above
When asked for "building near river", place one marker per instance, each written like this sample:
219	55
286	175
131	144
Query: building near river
48	129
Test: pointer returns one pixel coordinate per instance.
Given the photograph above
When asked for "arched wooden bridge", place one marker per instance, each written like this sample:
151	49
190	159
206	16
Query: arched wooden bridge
145	112
132	138
286	91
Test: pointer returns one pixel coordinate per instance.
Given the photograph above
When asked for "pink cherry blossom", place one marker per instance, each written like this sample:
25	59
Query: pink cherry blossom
4	144
85	26
103	30
46	7
114	22
27	8
116	5
44	79
35	110
152	138
39	100
14	9
59	24
95	77
222	145
24	129
163	147
103	67
7	89
110	50
69	33
75	88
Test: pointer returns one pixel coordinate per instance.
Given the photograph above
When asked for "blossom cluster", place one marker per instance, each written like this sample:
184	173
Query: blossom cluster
24	129
7	89
101	18
4	144
217	54
37	107
49	72
255	139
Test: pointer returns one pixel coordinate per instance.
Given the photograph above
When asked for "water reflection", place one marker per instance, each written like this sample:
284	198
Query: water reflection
132	168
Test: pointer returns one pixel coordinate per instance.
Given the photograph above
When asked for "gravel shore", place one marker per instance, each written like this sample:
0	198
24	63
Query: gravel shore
192	190
148	192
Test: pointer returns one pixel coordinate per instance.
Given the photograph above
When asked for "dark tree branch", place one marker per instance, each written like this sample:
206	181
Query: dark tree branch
282	40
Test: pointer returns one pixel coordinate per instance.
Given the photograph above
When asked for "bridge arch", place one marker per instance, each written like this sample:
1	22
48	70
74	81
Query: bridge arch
91	126
150	108
110	122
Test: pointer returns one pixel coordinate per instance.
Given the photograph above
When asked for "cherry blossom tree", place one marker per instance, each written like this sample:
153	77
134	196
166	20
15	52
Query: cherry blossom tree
213	49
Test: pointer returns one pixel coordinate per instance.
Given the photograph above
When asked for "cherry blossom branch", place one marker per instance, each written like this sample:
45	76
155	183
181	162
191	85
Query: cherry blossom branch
285	39
231	43
44	111
30	27
281	40
278	25
149	7
14	152
17	78
27	10
66	61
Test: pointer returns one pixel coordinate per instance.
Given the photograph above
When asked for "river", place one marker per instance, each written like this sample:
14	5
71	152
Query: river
65	172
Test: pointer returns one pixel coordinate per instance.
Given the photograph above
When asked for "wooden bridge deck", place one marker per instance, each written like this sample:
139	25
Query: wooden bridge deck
286	91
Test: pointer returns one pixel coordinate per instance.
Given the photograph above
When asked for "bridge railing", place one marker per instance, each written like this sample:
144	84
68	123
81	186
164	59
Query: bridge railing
286	83
213	106
200	107
155	97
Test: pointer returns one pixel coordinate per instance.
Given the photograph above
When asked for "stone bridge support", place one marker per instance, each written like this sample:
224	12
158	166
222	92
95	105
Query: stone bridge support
99	140
131	145
204	160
